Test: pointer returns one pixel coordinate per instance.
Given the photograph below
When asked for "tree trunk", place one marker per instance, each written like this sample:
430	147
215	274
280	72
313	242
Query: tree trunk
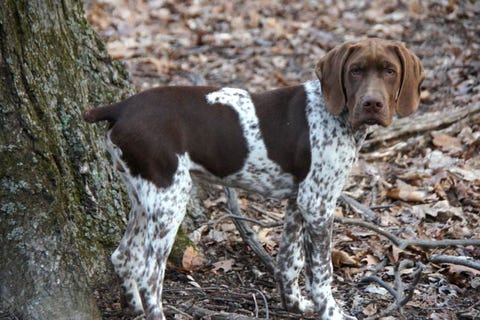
62	210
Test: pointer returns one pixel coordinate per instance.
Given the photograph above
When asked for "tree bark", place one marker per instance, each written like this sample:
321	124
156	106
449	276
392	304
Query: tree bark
62	209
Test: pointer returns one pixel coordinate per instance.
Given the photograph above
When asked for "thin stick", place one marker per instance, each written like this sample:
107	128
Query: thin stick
440	258
260	223
256	304
247	234
264	298
398	289
382	283
367	213
405	243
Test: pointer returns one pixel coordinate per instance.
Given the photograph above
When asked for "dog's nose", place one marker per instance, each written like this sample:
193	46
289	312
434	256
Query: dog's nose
372	103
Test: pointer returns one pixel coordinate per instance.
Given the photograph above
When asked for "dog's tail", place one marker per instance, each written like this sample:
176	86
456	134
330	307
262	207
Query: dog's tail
108	113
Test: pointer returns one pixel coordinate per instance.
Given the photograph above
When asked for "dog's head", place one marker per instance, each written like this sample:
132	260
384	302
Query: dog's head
371	79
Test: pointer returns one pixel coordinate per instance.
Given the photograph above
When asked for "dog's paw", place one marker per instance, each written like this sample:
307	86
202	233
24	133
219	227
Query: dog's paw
306	307
300	304
335	313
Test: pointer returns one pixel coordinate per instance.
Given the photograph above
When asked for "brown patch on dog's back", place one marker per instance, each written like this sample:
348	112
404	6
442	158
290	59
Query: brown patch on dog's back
158	124
284	128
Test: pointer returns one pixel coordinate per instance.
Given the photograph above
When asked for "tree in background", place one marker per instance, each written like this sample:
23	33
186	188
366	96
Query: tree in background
61	209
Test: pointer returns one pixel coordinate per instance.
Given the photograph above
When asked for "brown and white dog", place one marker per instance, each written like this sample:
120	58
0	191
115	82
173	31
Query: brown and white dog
296	142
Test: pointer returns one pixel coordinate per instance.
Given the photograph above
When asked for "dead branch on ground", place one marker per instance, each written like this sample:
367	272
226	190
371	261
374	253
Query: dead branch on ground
401	292
405	243
247	234
454	119
464	261
359	208
202	313
255	221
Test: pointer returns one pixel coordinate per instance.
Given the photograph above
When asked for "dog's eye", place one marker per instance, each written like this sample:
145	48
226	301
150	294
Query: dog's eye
356	71
390	72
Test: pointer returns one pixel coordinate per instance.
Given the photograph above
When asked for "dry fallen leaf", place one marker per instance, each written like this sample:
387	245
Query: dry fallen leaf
192	260
267	239
373	288
468	174
370	310
406	192
446	142
461	275
223	265
121	50
341	258
371	260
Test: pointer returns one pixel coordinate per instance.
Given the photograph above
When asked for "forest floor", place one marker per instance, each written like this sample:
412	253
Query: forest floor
421	183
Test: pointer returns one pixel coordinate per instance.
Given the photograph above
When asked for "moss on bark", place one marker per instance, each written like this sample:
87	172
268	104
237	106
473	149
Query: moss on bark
62	209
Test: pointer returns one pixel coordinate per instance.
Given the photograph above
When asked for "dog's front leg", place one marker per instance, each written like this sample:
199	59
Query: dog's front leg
290	261
318	267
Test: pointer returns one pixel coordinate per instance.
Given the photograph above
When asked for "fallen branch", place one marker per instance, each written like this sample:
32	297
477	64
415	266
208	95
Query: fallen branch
401	293
247	234
405	243
202	313
359	208
237	217
464	261
249	237
459	118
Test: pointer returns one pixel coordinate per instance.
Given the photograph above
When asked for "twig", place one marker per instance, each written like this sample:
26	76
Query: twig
175	311
189	310
367	213
203	313
270	214
464	261
405	243
256	304
409	289
247	234
400	293
382	283
260	223
264	298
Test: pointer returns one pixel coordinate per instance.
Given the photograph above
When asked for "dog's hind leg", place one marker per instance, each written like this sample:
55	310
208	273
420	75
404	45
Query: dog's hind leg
128	258
165	210
129	255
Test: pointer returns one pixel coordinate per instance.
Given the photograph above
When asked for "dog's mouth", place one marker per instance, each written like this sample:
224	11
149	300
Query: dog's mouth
369	120
367	117
372	122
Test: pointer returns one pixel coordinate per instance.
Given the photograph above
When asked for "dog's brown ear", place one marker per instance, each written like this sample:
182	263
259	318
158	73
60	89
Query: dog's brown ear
329	71
413	75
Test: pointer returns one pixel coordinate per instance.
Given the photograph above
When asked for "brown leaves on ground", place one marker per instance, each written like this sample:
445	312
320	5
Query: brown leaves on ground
423	186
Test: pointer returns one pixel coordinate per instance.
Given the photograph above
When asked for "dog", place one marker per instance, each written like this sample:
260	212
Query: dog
296	142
